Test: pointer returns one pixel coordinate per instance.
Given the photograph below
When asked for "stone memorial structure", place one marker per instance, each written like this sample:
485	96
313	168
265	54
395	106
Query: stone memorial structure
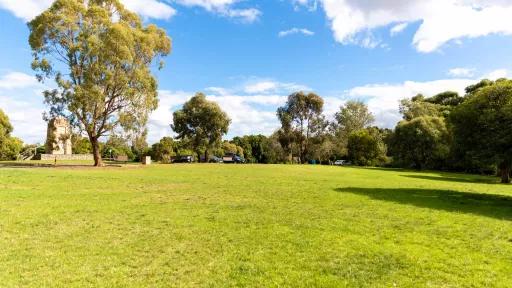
58	142
58	137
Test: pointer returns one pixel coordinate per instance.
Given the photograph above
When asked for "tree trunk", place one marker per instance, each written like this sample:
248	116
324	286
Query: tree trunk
206	156
505	172
96	152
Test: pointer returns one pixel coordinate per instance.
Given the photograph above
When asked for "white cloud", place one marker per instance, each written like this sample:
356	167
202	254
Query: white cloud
13	80
497	74
398	28
21	100
224	8
28	9
270	86
295	30
441	21
461	72
150	8
156	9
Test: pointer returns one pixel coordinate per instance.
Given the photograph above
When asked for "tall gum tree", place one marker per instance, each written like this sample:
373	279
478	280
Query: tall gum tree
298	117
100	56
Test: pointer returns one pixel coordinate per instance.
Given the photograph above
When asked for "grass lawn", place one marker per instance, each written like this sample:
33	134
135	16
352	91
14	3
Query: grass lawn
250	225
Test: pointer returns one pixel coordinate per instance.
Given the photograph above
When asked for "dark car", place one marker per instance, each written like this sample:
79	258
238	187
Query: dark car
215	159
184	159
233	158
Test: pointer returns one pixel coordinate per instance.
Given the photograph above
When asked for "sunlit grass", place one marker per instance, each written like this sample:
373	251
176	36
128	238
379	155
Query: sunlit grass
250	225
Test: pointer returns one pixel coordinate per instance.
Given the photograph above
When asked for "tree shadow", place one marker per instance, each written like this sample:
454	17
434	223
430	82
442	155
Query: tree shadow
488	205
473	179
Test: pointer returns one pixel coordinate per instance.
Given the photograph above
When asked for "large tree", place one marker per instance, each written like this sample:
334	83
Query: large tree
482	126
423	142
201	123
100	56
299	118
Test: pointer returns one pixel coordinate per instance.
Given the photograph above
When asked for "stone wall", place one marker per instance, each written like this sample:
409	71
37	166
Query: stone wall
74	157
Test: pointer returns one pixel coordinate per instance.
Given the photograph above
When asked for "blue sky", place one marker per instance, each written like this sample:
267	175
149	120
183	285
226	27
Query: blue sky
249	55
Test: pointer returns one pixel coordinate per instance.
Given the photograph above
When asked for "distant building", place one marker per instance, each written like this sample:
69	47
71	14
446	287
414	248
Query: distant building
58	137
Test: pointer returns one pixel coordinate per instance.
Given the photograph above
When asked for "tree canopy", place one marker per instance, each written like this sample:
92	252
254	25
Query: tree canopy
300	118
201	123
482	126
100	56
423	142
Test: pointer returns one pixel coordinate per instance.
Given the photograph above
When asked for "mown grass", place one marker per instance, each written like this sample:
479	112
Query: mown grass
254	226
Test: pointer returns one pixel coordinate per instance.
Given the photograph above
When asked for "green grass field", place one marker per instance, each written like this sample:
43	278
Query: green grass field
252	226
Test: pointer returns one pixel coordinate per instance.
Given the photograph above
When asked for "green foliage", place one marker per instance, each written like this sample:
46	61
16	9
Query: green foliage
353	116
299	118
418	107
116	146
10	147
100	56
366	147
438	105
81	145
164	150
228	147
482	127
201	124
423	142
5	125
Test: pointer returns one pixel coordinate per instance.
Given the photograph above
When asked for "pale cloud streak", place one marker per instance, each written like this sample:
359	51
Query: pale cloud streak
294	31
461	72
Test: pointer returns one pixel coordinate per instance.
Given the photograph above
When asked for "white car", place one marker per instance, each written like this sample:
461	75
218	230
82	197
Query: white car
341	163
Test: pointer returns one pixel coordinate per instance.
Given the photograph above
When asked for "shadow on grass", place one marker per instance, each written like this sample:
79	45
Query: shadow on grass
470	179
489	205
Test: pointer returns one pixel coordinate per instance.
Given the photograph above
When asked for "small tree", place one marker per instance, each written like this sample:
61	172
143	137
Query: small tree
99	55
298	118
201	123
164	150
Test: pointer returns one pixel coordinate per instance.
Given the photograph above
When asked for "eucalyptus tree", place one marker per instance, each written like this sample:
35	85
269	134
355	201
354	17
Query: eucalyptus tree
100	56
299	118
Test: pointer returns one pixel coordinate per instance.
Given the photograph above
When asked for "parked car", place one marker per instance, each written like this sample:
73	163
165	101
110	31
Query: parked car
233	158
342	163
215	159
184	159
